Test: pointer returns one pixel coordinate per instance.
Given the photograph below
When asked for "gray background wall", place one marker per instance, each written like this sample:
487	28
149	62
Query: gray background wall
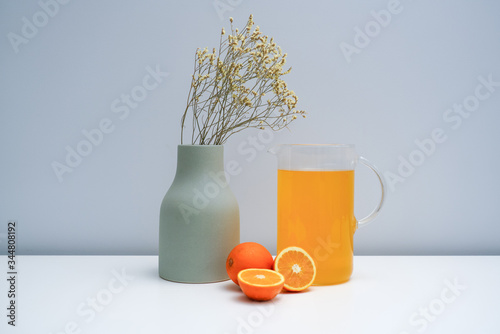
398	89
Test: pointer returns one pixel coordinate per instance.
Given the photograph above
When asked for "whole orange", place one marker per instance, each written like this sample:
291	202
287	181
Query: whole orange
248	255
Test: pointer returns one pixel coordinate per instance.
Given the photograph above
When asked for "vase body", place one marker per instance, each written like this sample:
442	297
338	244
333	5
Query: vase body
199	218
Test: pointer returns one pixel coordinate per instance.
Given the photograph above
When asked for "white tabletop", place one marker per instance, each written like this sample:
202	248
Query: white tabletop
124	294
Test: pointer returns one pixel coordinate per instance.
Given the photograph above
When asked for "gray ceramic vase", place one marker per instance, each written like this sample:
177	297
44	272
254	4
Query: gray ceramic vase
199	218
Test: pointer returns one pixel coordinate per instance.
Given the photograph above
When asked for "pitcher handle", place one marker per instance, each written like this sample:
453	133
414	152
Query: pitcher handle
374	213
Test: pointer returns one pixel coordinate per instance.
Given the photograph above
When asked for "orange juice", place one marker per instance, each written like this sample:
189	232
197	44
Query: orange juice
316	213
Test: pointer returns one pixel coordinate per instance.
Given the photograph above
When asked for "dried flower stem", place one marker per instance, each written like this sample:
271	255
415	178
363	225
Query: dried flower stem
239	87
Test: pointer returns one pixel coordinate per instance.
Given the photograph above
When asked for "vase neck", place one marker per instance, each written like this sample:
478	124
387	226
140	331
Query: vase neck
200	158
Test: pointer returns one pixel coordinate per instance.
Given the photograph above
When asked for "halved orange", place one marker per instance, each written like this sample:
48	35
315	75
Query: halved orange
260	284
245	256
297	267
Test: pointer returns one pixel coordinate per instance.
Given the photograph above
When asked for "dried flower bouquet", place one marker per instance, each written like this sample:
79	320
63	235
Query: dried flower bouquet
239	86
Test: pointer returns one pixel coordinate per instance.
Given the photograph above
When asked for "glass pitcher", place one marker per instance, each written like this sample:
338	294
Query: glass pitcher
316	205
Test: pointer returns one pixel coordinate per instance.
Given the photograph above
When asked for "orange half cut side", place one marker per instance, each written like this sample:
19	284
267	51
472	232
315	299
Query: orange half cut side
297	267
260	284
